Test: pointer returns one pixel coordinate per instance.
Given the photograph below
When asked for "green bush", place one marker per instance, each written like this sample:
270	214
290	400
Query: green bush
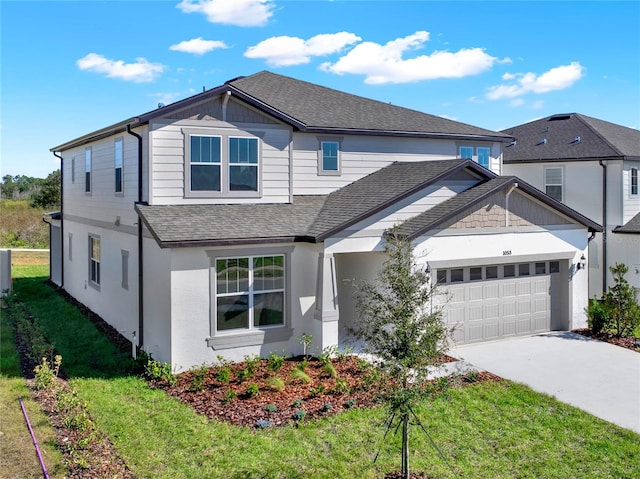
597	315
161	371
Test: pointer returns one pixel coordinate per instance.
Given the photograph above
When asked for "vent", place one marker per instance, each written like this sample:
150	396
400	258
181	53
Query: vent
543	141
577	139
559	117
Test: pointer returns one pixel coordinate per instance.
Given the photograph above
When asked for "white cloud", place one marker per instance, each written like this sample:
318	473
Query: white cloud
241	13
557	78
141	71
516	102
197	46
384	63
286	51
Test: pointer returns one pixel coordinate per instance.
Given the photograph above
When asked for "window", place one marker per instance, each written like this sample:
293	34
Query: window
218	164
94	260
634	181
466	152
483	156
509	271
118	154
491	272
541	268
523	269
441	276
87	170
554	267
475	274
205	163
250	292
553	181
329	156
243	164
457	275
125	268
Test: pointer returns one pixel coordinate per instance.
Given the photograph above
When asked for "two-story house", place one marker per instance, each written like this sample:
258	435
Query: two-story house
591	166
229	223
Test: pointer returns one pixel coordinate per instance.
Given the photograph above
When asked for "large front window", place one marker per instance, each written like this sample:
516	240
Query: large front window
250	292
219	164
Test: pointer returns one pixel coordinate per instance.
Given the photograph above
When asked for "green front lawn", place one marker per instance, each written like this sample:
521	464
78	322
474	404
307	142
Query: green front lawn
488	430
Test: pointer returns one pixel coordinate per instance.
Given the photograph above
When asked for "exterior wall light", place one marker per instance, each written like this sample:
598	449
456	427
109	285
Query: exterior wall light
582	264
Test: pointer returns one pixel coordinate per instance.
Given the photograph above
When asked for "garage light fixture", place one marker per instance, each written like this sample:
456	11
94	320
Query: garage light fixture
582	263
428	269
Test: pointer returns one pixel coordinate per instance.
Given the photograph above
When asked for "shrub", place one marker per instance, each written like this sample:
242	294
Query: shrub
271	408
275	383
159	371
243	375
199	375
597	315
342	386
299	414
252	390
316	391
275	361
229	396
303	364
329	370
45	376
326	407
263	423
296	403
349	403
622	301
223	374
251	364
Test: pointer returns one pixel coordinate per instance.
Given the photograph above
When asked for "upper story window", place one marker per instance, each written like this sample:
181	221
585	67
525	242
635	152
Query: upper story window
634	181
481	155
87	170
554	182
118	154
218	164
329	157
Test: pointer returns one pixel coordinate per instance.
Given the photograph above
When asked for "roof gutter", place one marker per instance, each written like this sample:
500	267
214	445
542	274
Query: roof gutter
140	245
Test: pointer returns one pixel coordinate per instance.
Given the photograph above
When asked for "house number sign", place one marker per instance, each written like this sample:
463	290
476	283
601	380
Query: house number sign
506	252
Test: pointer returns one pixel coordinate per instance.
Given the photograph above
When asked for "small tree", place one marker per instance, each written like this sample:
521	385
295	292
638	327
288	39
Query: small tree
402	329
621	300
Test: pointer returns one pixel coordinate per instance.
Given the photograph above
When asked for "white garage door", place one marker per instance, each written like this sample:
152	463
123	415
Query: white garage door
498	301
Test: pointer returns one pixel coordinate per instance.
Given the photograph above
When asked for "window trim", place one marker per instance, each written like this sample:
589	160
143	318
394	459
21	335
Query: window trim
225	165
92	282
88	166
633	175
257	335
561	185
329	139
116	142
475	154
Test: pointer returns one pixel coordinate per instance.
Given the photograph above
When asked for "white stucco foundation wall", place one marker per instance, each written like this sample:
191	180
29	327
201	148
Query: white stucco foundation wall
627	251
157	301
190	305
117	305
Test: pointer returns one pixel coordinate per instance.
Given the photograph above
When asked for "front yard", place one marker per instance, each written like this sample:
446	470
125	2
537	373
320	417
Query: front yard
485	430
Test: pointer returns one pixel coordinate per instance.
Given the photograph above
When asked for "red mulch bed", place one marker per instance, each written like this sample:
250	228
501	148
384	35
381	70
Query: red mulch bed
211	398
624	342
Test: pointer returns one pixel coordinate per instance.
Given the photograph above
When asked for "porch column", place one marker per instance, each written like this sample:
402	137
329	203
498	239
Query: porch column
327	313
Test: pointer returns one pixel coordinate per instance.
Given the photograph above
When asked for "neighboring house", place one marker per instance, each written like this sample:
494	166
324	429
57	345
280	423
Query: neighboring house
228	223
591	166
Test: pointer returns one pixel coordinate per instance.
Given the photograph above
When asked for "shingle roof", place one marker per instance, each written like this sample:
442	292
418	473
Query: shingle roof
380	189
206	225
317	107
310	107
556	137
630	227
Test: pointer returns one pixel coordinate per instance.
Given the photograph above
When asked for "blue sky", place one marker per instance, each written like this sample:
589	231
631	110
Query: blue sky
72	67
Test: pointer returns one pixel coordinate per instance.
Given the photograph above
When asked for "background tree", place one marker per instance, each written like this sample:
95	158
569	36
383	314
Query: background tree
48	195
403	329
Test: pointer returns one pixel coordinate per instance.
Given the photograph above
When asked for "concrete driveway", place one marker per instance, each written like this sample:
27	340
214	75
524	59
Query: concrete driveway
596	377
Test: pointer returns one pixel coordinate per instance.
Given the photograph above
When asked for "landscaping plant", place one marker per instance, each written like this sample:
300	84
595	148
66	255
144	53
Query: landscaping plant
621	300
403	329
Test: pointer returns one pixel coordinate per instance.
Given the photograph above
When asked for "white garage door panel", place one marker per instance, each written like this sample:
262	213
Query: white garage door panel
497	308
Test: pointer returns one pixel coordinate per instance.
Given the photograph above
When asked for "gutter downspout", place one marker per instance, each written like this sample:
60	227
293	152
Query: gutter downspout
140	245
604	224
225	101
506	204
61	223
